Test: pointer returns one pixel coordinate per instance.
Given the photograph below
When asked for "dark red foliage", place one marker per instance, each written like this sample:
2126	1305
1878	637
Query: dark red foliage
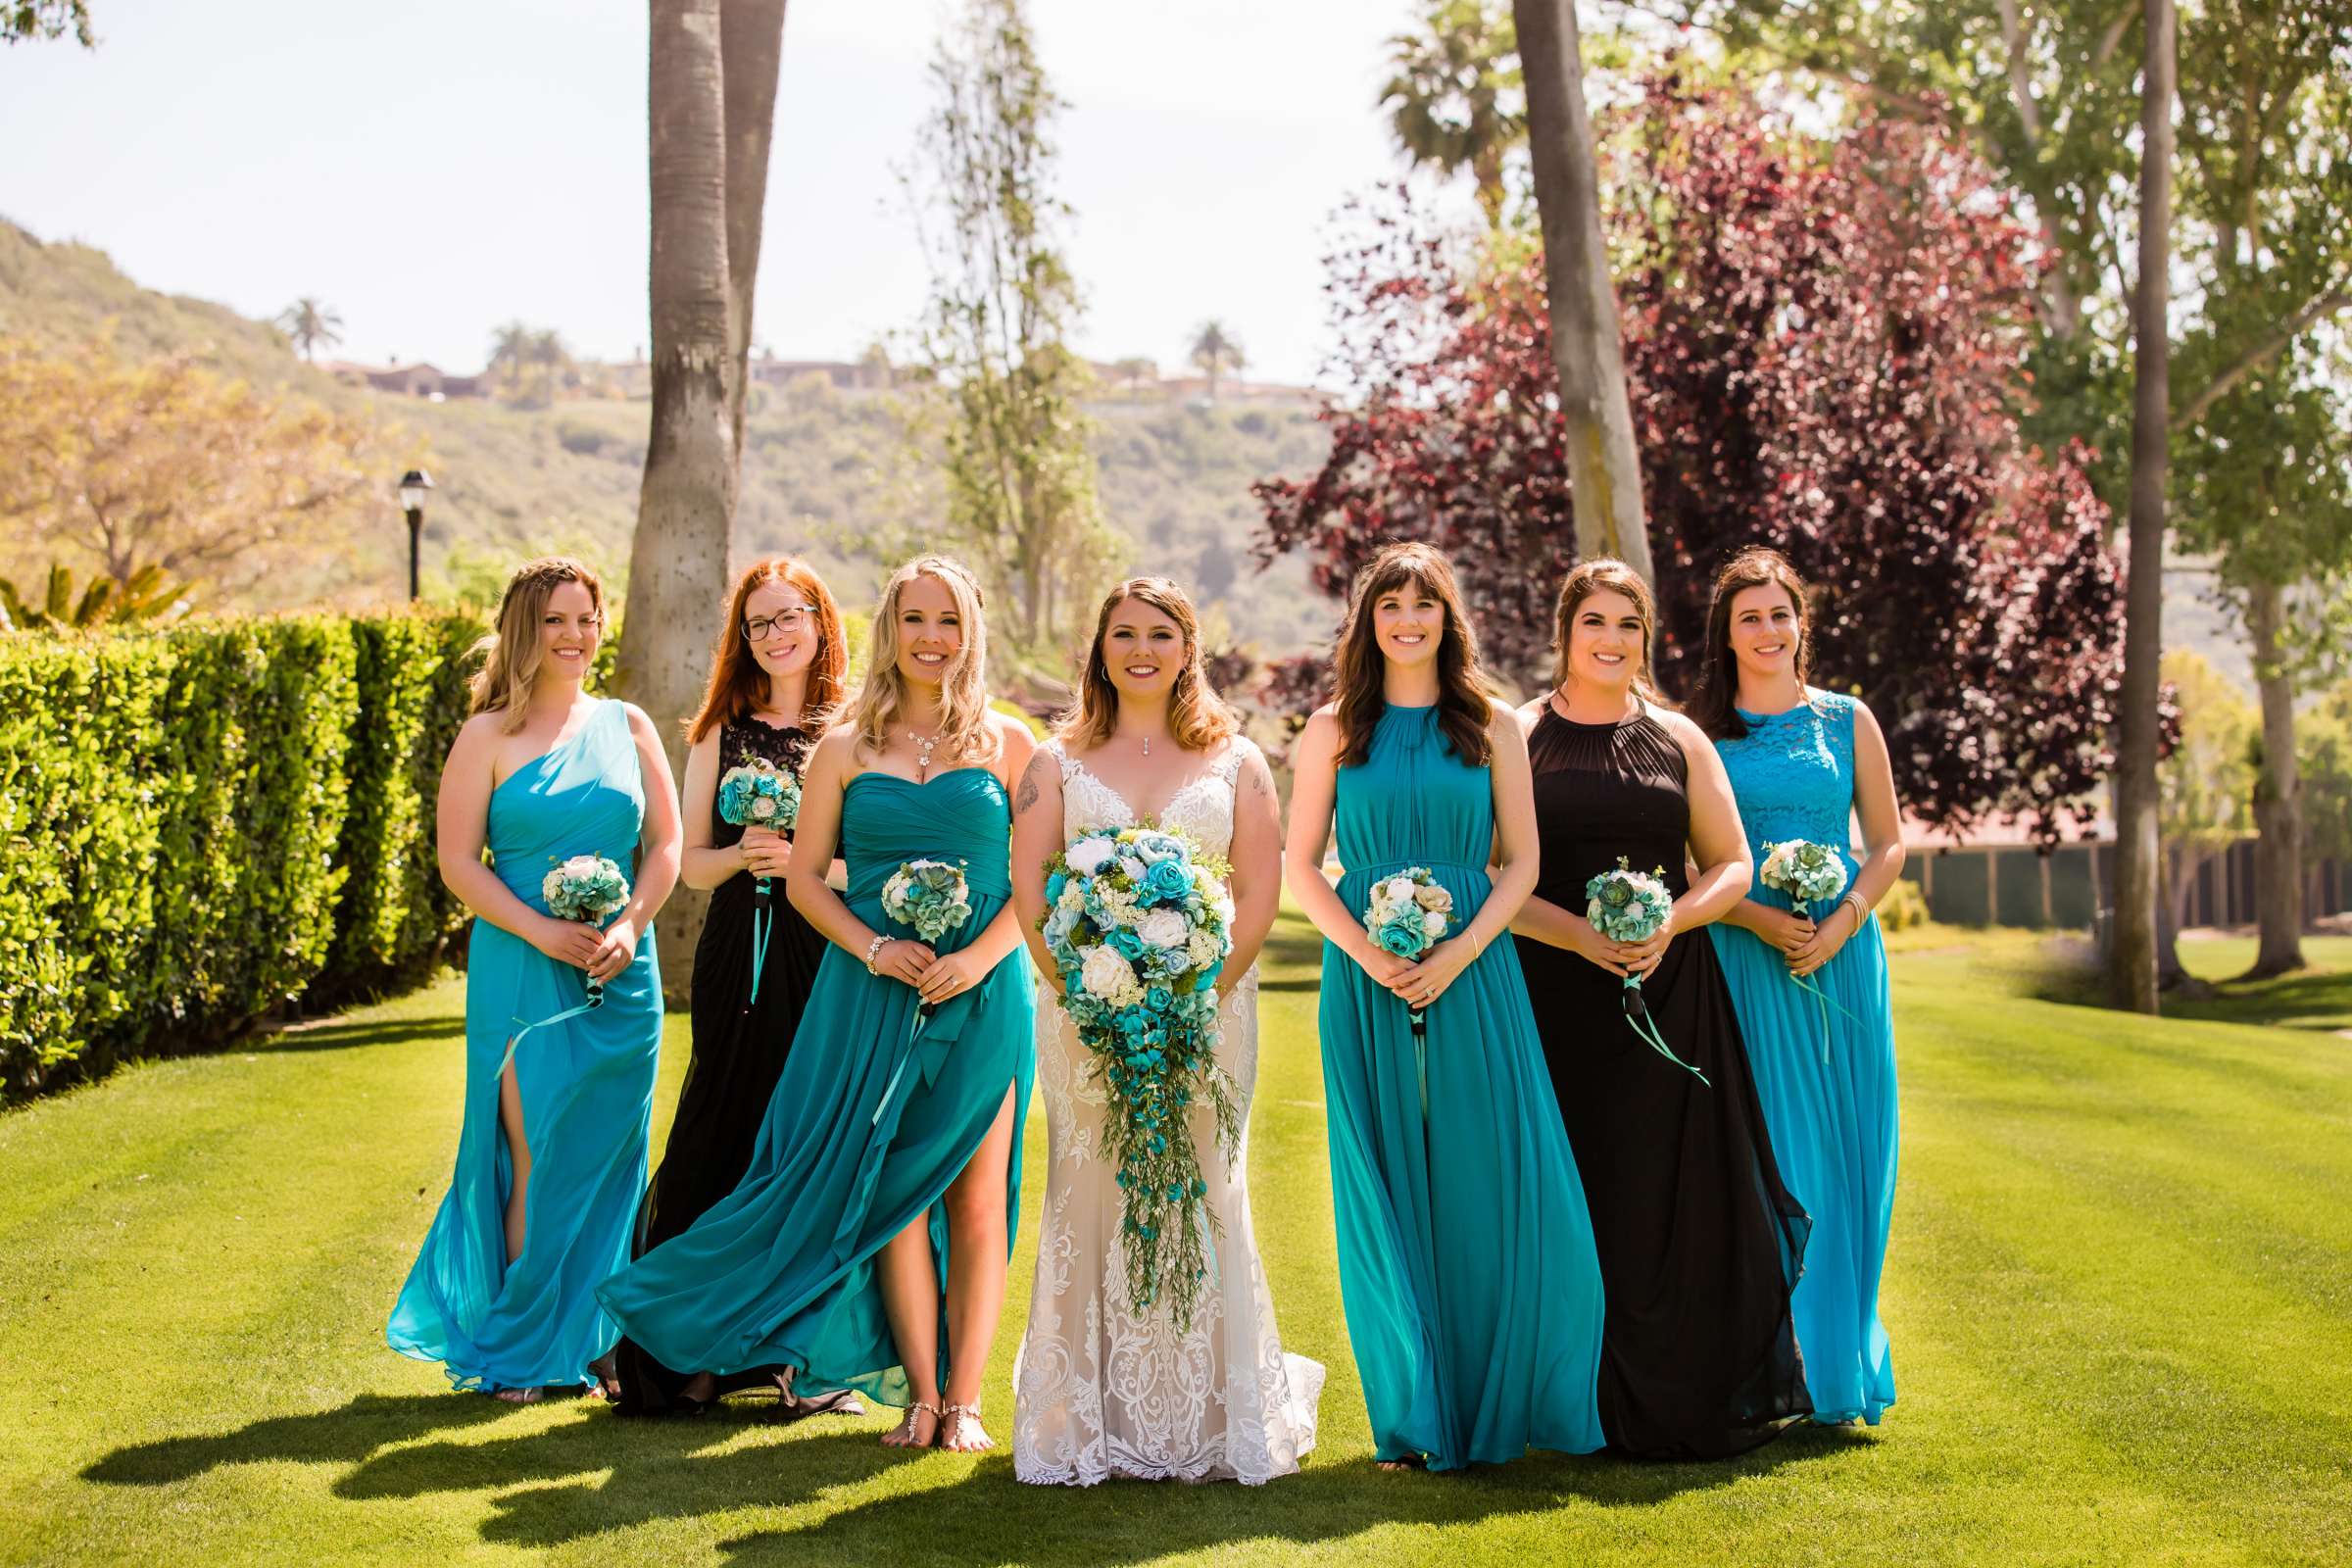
1824	343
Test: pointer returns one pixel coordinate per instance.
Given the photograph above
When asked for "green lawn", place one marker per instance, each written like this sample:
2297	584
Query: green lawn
2318	998
2121	1295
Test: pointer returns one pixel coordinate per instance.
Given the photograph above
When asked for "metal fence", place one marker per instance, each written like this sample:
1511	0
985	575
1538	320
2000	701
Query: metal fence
2012	885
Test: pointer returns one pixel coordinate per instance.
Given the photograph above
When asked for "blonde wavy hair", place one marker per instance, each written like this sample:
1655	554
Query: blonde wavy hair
964	735
1198	717
511	652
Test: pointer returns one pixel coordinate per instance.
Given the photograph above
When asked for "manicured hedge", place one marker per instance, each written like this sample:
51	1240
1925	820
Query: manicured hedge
202	823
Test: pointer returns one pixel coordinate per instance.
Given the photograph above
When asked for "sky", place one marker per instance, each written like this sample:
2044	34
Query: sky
434	168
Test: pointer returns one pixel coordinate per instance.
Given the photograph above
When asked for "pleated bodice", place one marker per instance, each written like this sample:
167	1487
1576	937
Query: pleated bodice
581	797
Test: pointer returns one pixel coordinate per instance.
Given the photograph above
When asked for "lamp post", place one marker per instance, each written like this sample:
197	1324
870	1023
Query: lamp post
412	486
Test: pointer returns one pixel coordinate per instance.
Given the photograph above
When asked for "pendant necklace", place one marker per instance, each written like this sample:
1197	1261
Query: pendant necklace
922	755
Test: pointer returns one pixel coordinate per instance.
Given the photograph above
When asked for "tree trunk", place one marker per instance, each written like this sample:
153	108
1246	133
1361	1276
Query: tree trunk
752	48
2131	959
2278	791
678	563
1604	467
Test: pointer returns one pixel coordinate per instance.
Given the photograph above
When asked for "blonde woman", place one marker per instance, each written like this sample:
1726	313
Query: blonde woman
1105	1388
891	1157
551	1154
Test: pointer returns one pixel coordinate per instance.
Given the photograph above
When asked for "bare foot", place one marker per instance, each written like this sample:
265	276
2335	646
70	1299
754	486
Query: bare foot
918	1430
962	1432
1397	1466
608	1376
519	1396
700	1390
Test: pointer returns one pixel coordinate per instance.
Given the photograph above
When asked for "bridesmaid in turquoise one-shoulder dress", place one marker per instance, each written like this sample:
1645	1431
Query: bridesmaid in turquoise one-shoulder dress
1808	763
1468	1267
585	1084
872	1117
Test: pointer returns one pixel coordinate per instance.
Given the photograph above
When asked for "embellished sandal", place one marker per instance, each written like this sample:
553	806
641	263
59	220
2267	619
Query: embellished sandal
953	1431
903	1435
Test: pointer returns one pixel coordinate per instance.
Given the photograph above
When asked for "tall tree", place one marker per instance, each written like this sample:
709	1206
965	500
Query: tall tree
701	156
1214	350
1584	343
1455	98
2131	937
311	322
1019	472
1824	341
752	48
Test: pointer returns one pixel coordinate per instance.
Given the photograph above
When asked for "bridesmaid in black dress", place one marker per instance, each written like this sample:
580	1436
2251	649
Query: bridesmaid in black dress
1699	1242
775	676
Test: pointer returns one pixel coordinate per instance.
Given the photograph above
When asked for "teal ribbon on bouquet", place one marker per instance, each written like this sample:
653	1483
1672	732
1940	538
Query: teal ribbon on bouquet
764	925
596	999
1419	1019
1637	1014
1823	1002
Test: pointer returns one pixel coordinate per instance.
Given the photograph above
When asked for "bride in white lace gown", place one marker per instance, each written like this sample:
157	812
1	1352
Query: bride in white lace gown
1100	1390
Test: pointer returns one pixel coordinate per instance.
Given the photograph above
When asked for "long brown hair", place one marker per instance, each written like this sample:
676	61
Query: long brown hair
511	652
1714	699
1604	574
738	683
1198	717
965	734
1465	700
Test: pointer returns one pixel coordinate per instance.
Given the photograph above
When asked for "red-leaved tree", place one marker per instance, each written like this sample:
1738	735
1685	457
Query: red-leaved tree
1824	339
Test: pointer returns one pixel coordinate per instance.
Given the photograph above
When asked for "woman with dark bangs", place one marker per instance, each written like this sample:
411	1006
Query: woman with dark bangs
776	677
1699	1241
1466	1258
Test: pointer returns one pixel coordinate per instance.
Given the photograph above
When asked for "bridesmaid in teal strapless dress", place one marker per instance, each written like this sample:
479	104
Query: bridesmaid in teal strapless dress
1806	763
1468	1267
877	1112
501	1318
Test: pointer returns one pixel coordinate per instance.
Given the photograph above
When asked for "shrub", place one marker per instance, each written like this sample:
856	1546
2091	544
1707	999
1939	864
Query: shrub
1903	907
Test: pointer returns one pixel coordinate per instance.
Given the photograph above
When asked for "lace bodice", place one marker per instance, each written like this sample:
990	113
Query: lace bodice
1202	809
1793	773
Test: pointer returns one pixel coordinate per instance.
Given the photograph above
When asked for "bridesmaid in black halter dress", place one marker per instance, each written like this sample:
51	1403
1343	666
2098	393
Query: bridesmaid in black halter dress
775	674
1700	1243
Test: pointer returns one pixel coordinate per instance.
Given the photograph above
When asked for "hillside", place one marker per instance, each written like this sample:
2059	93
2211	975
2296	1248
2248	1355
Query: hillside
825	471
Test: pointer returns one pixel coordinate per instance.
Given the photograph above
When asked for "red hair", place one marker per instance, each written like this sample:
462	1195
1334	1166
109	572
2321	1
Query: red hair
737	682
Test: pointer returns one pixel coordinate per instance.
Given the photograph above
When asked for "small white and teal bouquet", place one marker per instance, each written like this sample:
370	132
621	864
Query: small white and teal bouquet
1140	924
1809	873
589	888
1630	905
929	895
759	793
1407	915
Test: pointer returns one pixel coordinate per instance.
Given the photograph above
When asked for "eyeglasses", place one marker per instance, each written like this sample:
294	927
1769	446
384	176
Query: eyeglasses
760	628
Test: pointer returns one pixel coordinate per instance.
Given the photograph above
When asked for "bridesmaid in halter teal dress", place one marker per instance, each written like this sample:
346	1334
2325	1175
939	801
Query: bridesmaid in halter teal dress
867	1245
559	1096
1466	1261
1804	763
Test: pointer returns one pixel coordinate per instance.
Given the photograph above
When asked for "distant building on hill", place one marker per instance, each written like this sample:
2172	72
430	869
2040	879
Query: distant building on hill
417	380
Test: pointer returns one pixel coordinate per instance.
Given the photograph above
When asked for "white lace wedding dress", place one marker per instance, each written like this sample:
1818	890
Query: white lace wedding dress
1098	1391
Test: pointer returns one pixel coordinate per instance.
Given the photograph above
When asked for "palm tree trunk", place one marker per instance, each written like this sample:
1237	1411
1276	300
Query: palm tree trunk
1604	467
751	49
2278	791
2131	957
678	563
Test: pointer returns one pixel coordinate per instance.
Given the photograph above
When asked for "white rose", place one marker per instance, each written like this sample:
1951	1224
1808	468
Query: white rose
1163	928
1105	973
1133	867
763	808
1398	889
1088	855
1432	922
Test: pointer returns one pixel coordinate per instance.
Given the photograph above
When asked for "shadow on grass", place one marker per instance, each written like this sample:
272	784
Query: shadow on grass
1125	1522
2317	1000
340	1035
351	1435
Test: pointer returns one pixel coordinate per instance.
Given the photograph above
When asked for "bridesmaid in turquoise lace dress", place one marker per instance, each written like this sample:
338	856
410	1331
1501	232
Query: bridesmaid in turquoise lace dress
1466	1260
551	1154
867	1245
1804	765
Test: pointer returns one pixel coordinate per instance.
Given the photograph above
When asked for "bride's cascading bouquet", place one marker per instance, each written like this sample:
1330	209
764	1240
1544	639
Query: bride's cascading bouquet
931	899
1809	873
1406	916
759	793
588	888
1140	923
1630	905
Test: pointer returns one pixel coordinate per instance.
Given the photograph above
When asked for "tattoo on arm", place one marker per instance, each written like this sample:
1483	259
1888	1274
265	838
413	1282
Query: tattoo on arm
1029	790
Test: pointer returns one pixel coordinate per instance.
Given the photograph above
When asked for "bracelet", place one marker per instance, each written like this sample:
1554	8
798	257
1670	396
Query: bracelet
873	948
1861	910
